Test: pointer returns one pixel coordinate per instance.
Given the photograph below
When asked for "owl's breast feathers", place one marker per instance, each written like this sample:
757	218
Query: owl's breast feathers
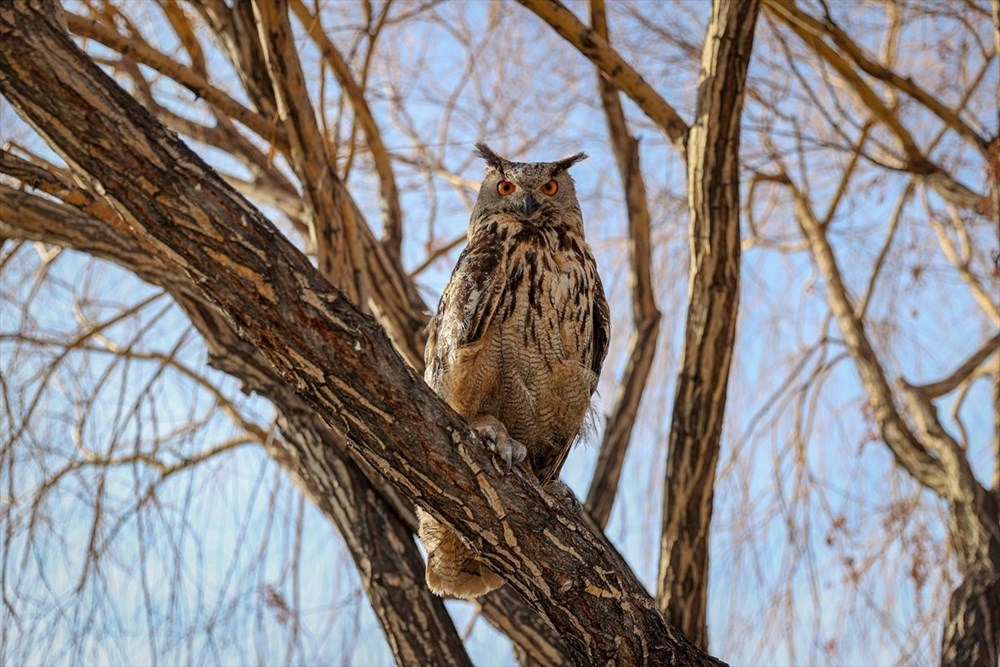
521	334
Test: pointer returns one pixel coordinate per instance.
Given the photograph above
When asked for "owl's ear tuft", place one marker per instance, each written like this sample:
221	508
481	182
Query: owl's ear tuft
567	162
492	159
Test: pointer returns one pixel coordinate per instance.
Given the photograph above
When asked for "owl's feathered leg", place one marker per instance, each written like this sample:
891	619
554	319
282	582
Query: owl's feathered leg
452	567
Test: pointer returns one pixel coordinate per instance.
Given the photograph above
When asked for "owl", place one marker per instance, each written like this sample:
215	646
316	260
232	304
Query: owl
518	341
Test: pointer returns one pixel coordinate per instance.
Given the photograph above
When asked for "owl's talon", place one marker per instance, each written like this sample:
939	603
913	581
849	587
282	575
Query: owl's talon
563	494
509	450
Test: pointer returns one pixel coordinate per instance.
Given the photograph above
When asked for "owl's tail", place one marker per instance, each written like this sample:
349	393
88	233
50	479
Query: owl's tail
452	569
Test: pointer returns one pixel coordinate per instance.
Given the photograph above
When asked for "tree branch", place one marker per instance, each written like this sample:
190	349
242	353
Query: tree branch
336	232
614	67
710	330
645	316
962	373
92	29
336	359
934	459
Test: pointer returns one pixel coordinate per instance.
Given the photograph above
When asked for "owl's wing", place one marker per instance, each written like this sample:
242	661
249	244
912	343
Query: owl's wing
601	327
468	305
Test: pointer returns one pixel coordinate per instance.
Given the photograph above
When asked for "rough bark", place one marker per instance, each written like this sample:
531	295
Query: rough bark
334	358
326	471
416	624
373	535
710	331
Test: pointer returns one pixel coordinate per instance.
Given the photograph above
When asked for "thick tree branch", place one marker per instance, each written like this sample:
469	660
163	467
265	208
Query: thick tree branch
335	358
394	298
614	67
645	316
370	533
710	331
416	624
101	234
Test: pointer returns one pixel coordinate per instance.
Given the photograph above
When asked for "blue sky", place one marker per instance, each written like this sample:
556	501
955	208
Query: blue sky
194	569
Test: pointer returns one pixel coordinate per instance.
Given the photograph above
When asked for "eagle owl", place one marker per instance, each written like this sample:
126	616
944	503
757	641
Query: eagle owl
518	341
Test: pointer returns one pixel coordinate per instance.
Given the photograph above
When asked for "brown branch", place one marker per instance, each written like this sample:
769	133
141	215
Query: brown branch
416	625
790	12
39	219
645	316
614	67
236	30
394	298
962	373
92	29
336	359
710	329
890	235
338	248
392	215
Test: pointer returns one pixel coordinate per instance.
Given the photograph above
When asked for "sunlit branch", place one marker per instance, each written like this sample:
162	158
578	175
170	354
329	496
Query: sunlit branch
92	29
645	316
614	67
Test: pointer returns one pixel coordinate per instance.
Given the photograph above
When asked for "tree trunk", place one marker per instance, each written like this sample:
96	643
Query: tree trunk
710	332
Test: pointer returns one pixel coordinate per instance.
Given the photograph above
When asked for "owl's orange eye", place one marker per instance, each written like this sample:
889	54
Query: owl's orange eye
551	187
505	188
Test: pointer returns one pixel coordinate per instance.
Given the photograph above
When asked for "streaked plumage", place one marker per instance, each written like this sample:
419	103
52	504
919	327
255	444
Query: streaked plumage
519	338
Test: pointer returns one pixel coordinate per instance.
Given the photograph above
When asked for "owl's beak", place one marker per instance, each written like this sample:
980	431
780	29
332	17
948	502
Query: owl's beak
529	205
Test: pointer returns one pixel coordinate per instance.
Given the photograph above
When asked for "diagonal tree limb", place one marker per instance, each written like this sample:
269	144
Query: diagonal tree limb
645	316
335	358
416	624
614	67
962	373
101	234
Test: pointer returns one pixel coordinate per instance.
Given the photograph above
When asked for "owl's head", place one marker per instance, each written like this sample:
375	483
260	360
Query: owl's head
532	192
